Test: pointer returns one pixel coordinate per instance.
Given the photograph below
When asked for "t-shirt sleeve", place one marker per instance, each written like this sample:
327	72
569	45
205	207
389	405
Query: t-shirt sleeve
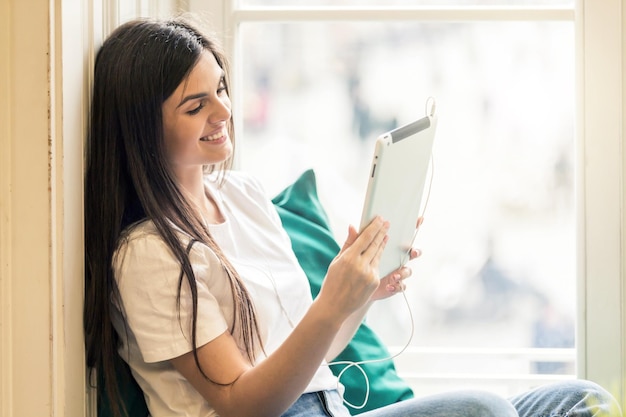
148	277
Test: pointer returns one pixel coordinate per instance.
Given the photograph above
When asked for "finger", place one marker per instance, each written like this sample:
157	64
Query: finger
414	253
371	232
375	248
404	273
352	235
395	288
420	220
398	276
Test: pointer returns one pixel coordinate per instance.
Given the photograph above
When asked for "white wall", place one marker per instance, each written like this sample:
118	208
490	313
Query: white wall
46	53
47	49
27	289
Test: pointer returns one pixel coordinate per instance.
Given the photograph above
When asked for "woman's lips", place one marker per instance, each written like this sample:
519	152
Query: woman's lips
214	136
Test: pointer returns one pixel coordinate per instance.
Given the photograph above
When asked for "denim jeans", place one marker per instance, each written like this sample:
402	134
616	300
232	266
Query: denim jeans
567	399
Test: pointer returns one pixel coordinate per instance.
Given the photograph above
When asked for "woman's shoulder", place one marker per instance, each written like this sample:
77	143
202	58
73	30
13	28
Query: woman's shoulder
144	236
142	241
141	230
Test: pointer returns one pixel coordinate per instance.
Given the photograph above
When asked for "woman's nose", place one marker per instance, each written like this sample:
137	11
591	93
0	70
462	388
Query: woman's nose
221	111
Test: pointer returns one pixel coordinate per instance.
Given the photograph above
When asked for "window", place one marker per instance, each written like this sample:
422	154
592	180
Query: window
494	297
598	164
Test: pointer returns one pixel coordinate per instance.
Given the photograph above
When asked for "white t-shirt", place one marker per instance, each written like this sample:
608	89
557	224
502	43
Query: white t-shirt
147	274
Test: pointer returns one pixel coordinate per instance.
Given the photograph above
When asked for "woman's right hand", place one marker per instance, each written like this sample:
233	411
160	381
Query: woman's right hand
353	275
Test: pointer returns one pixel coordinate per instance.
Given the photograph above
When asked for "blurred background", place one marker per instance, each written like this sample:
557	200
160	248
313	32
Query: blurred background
492	299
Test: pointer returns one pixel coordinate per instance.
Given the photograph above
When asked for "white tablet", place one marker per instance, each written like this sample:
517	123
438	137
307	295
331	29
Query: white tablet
397	184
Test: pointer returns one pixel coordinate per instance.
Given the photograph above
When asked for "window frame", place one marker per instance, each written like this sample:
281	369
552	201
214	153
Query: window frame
601	247
601	243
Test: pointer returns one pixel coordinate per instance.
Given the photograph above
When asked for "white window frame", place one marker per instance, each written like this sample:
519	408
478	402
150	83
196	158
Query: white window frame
601	246
601	46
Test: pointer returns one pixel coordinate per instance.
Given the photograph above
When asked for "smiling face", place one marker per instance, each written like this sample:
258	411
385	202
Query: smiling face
195	119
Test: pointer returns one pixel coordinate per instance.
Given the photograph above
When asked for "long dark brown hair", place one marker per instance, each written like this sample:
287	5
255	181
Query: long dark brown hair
128	178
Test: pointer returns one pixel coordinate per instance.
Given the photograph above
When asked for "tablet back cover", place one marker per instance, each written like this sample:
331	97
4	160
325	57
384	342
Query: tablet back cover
396	186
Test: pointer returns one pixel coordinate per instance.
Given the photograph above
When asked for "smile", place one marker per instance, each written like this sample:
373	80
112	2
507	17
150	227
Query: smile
214	136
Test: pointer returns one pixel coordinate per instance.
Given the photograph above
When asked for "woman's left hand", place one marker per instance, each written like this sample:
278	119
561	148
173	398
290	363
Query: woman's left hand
393	283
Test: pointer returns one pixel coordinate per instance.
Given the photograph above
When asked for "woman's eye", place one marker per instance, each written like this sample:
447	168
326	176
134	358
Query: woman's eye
196	110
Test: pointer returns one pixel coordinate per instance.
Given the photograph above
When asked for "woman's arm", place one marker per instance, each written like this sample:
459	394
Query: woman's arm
269	388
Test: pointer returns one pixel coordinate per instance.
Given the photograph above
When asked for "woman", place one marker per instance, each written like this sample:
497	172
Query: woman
189	274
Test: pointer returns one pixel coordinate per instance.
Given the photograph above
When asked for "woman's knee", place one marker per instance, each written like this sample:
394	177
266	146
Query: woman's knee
568	398
596	398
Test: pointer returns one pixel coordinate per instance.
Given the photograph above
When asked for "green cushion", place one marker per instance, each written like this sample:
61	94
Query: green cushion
307	225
